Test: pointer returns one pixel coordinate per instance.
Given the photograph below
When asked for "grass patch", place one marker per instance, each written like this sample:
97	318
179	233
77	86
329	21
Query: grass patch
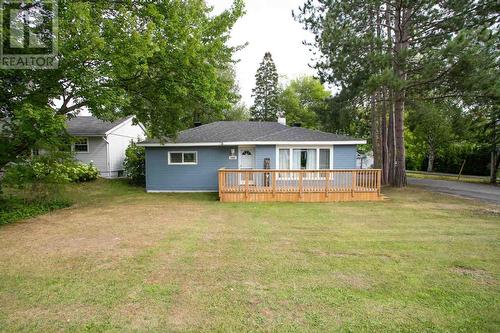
124	260
437	176
15	209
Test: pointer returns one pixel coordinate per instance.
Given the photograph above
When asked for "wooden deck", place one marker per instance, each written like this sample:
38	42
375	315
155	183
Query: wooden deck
299	185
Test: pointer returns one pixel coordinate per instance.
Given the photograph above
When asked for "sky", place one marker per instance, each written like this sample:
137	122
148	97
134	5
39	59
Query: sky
268	25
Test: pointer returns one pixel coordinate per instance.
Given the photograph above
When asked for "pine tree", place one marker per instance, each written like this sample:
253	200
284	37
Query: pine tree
266	91
388	54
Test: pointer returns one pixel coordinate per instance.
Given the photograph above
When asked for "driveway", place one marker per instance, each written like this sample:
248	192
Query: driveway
482	192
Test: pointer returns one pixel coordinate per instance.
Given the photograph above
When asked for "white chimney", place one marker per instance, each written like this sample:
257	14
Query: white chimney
282	120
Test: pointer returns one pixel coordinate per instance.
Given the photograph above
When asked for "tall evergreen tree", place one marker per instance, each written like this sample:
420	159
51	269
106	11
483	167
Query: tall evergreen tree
266	91
401	51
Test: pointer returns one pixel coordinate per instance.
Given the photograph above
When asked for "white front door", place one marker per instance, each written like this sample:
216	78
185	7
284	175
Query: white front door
247	157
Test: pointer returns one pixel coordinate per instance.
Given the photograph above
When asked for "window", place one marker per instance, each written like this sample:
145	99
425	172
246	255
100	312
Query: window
304	158
324	159
284	159
182	157
81	145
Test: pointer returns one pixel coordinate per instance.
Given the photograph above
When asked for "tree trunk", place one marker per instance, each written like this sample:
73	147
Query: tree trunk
399	178
376	119
391	140
385	147
430	163
495	159
400	45
375	133
495	163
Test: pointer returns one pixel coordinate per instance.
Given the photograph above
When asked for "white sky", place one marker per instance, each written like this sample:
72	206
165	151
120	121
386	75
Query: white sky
268	25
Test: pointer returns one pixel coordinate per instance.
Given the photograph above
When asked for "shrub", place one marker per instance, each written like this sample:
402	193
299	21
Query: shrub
135	164
49	170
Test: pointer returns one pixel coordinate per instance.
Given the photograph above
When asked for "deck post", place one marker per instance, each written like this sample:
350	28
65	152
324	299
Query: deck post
221	183
327	183
300	184
274	183
379	181
353	186
246	184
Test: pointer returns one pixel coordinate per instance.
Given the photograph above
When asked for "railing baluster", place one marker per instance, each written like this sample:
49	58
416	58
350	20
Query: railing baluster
326	183
353	186
300	184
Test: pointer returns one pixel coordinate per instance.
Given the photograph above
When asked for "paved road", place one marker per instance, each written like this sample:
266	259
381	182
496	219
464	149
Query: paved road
481	192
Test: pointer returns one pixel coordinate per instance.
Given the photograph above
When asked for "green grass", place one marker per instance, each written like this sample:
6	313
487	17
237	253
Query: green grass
123	260
463	178
13	209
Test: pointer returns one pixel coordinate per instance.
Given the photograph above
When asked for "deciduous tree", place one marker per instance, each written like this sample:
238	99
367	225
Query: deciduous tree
160	61
302	100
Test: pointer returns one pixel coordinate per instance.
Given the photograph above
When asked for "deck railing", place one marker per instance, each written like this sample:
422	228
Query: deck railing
307	185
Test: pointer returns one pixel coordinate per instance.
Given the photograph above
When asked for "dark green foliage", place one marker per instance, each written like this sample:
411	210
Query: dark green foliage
449	160
165	62
50	170
476	161
238	112
14	209
266	91
385	55
135	164
343	117
302	100
27	127
432	126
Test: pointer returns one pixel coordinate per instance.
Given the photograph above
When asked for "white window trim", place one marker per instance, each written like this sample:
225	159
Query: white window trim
183	152
81	152
290	154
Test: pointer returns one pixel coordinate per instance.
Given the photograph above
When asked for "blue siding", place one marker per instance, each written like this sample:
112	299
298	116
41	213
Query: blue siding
344	157
201	177
263	152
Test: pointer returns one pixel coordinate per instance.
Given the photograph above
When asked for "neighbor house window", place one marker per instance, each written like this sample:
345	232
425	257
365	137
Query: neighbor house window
81	145
182	157
304	158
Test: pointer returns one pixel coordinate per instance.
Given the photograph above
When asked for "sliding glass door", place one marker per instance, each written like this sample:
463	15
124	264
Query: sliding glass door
304	158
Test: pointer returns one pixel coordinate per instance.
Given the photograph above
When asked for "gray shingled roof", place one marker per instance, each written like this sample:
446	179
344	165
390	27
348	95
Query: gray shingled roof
89	125
238	131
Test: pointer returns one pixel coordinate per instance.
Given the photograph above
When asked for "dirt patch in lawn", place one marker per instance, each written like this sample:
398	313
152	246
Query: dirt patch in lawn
480	275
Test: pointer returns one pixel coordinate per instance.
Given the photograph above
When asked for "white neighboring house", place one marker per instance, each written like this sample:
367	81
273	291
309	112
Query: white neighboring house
365	161
103	143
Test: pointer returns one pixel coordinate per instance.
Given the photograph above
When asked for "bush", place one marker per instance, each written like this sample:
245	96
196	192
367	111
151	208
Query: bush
49	170
135	164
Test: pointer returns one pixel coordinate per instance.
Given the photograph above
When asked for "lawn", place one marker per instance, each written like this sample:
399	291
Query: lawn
447	176
122	260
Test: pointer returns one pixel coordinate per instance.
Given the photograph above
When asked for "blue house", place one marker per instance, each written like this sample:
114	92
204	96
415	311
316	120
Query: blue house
192	162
